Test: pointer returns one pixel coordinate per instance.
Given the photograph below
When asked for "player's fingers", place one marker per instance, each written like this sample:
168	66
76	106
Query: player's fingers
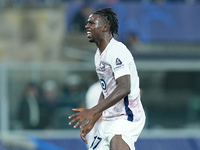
84	139
74	115
71	122
71	116
77	124
83	136
77	109
86	129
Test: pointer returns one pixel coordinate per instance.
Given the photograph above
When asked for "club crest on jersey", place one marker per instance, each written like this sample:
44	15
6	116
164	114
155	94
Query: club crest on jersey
102	65
118	61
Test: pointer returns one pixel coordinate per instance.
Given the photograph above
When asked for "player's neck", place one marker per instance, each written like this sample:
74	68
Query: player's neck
102	44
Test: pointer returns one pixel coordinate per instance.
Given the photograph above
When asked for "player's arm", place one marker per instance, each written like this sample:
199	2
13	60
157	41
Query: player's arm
122	90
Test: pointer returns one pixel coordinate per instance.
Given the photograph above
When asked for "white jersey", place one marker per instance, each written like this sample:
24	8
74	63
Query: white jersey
116	61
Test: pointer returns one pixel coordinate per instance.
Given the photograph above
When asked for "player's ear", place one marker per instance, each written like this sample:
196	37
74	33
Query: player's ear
106	28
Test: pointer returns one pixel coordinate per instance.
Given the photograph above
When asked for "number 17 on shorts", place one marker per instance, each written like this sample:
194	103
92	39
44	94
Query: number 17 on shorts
96	142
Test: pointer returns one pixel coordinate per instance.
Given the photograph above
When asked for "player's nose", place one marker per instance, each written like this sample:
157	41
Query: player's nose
86	26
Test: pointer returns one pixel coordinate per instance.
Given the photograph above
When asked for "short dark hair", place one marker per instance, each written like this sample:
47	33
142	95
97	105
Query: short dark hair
111	18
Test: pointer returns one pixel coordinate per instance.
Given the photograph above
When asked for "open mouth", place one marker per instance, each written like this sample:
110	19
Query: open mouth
89	34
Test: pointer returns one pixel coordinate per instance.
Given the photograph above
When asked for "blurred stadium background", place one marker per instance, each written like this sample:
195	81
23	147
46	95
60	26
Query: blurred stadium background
45	56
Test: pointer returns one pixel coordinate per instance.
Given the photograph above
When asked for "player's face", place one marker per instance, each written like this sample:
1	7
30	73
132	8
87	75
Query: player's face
94	27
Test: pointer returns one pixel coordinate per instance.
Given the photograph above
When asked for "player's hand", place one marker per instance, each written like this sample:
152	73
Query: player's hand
82	117
85	129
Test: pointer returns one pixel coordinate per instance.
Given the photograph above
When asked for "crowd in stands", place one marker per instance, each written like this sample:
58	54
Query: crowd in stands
48	105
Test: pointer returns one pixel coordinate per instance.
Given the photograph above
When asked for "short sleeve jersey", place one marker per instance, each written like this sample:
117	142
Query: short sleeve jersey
116	61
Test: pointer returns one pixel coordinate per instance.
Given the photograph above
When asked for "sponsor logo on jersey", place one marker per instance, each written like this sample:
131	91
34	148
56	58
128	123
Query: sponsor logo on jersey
118	64
118	61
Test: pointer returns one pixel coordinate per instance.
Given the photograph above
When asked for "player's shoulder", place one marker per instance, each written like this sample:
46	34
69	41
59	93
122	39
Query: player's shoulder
117	44
118	47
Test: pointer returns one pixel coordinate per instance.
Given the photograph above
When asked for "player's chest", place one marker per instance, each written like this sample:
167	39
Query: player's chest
103	68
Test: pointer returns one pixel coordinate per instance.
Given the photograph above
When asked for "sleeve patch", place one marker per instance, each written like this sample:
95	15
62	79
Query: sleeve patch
119	64
118	61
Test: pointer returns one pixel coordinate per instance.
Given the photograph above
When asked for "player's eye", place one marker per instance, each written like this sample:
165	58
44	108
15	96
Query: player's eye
90	22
